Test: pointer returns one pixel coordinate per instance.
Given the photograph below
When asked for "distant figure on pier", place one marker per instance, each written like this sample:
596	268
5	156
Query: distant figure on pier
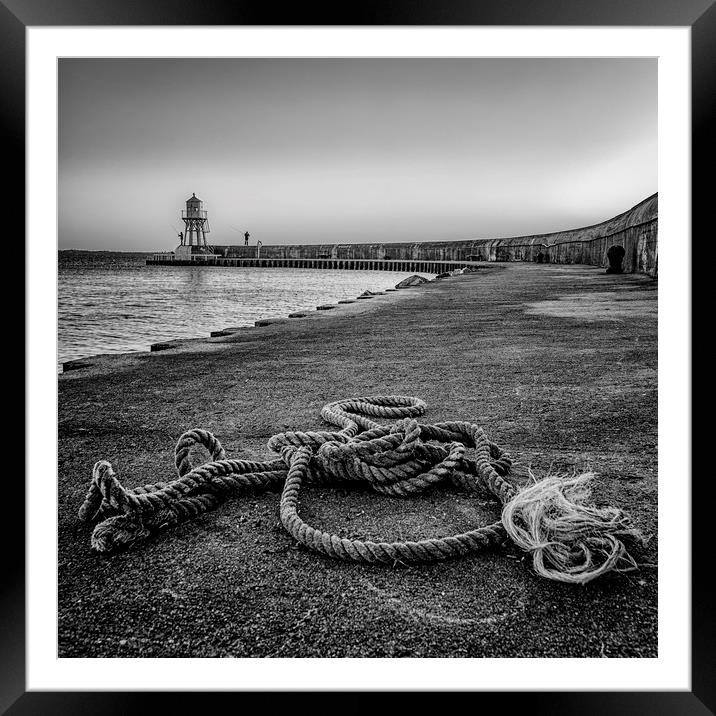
246	238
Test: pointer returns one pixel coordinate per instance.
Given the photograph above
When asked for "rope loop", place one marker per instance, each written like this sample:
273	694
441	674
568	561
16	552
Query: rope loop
570	540
190	439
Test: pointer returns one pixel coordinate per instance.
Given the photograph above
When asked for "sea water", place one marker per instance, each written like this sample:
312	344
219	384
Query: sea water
114	303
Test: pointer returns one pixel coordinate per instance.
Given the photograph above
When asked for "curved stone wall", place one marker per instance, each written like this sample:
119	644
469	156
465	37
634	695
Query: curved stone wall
635	230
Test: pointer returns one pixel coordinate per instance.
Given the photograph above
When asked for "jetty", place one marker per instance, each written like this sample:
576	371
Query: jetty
558	364
434	267
634	233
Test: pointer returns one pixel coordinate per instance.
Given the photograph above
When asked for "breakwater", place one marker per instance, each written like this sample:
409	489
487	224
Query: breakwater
635	230
436	267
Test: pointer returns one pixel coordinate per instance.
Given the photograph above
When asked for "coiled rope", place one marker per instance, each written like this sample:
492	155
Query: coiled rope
569	539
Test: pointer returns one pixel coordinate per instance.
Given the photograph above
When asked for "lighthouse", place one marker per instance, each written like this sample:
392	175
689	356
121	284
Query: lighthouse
193	244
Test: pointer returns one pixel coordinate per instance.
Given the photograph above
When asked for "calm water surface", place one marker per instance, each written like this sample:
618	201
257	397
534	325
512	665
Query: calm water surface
110	304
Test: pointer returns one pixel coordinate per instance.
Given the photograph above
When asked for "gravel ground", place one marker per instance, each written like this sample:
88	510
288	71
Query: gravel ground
557	363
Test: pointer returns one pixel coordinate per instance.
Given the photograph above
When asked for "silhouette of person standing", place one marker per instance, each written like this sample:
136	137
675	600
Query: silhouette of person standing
246	238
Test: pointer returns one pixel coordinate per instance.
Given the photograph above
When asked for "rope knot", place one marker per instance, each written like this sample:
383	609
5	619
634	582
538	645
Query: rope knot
411	434
288	452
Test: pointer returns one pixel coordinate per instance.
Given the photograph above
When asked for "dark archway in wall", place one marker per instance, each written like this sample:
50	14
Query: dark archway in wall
615	254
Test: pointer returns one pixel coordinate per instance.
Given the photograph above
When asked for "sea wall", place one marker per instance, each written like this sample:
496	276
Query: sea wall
635	230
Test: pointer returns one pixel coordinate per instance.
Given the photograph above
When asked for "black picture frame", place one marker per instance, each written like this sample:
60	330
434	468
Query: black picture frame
699	15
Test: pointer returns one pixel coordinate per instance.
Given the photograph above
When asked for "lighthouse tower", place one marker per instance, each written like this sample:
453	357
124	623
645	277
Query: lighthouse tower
196	227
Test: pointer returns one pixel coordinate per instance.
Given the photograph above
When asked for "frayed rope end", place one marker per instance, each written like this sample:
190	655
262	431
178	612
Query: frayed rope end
570	539
116	532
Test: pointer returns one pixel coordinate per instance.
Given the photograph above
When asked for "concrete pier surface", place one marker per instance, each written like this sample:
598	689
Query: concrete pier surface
557	363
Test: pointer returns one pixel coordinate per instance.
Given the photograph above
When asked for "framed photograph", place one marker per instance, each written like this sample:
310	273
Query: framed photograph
344	372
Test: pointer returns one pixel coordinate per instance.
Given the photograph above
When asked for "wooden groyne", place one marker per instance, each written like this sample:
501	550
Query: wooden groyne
635	230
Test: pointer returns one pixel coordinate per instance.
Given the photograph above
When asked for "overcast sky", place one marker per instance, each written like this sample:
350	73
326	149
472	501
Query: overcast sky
350	150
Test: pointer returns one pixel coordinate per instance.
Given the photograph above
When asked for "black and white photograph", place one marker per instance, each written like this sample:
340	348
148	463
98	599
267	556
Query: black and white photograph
351	363
357	357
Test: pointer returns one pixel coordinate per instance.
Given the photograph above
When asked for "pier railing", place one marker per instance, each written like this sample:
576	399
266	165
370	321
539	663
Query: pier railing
435	267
